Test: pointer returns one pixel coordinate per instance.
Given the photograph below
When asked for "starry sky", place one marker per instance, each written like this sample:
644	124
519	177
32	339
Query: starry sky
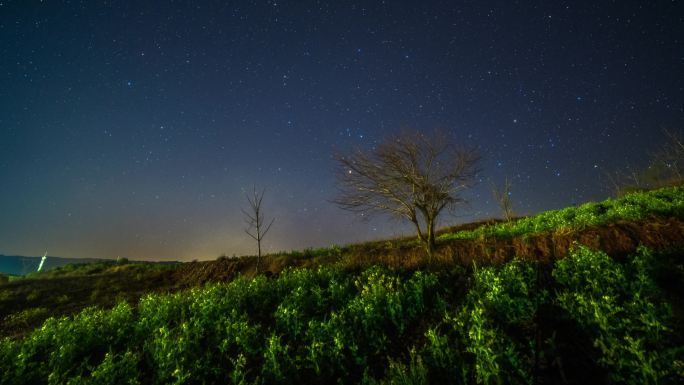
134	128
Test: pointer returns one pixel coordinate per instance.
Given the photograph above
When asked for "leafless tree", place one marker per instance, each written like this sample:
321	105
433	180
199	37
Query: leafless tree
616	181
254	218
412	176
502	196
629	180
665	167
670	158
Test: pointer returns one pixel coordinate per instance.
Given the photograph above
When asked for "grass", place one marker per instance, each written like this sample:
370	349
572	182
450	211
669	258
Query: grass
71	288
104	267
487	236
634	206
378	325
374	312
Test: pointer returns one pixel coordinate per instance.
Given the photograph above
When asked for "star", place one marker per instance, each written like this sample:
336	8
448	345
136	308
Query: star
218	83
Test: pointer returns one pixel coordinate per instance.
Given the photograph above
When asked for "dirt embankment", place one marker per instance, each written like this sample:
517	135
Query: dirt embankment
26	303
617	239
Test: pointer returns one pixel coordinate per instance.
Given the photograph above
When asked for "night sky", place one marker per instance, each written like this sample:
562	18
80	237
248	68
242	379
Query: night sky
133	128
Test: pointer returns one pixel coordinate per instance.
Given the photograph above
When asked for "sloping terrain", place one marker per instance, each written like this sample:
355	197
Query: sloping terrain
18	265
592	294
654	219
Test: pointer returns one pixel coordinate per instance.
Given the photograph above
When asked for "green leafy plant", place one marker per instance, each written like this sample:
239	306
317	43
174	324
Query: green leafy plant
633	206
501	297
379	325
618	307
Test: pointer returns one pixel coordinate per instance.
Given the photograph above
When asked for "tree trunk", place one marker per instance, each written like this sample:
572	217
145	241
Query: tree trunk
427	238
422	238
430	240
258	254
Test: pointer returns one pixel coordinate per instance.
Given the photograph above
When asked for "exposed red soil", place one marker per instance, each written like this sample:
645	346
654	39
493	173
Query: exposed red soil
617	239
68	295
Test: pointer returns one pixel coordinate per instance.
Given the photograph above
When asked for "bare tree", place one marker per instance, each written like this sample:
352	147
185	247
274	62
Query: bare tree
616	180
254	218
669	160
629	180
502	196
665	167
412	176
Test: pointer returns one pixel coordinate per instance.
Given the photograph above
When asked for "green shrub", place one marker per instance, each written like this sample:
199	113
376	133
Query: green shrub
501	297
25	317
278	365
9	352
64	348
115	369
618	307
381	325
311	294
414	373
634	206
443	358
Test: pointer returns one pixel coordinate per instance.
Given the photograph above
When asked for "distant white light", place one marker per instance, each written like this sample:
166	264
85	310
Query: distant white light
42	261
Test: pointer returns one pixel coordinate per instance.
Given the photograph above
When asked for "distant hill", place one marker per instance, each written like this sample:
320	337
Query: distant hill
20	265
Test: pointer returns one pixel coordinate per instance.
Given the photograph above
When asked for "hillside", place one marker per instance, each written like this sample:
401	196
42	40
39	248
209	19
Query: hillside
20	265
591	294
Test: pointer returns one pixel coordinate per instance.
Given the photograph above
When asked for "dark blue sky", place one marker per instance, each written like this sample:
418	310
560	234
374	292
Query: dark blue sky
133	128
